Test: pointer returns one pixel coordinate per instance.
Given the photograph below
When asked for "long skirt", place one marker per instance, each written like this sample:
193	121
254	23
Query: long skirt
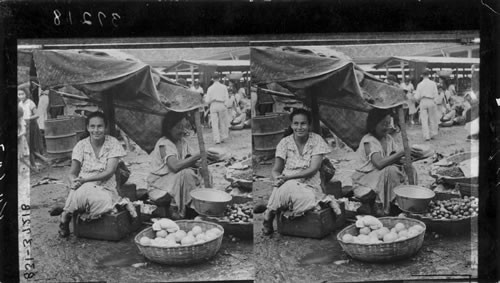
382	182
35	139
91	201
178	185
296	198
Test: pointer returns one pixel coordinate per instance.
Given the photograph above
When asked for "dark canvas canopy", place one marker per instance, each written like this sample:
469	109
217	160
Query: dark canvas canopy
140	95
344	93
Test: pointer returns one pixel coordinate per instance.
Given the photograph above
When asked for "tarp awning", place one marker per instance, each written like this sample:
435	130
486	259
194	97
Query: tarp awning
343	91
431	62
144	95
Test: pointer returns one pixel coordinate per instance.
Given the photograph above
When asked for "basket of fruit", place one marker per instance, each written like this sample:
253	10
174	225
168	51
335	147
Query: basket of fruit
450	217
448	169
180	242
237	219
382	239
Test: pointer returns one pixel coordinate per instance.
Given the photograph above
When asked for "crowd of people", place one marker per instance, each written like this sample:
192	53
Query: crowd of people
227	105
435	102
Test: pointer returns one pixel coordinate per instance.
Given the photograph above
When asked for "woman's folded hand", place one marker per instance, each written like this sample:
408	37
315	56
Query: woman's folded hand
75	183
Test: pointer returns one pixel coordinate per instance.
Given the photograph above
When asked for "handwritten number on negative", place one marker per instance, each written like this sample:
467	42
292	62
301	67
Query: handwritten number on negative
57	15
99	16
116	17
85	20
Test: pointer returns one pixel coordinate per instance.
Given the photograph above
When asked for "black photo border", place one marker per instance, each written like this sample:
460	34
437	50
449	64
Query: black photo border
215	23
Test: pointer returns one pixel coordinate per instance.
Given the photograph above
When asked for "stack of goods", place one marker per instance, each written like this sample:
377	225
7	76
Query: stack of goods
450	217
239	213
180	242
372	231
168	234
382	239
456	208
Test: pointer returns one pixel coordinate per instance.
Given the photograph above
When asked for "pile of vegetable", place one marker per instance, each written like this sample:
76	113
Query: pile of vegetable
168	234
239	213
372	231
455	208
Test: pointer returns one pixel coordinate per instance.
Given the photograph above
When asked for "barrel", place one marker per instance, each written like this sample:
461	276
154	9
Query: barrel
60	137
80	126
267	131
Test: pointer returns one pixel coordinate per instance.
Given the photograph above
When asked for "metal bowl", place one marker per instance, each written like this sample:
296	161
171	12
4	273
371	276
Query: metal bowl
210	202
414	199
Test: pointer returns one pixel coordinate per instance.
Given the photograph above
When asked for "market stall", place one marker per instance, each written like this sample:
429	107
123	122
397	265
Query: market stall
204	69
340	94
413	66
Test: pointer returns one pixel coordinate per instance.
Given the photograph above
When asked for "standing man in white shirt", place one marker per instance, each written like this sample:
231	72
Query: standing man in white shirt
426	93
216	98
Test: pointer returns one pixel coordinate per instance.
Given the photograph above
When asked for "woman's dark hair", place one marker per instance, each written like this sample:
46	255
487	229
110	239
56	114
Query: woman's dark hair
96	114
301	111
169	121
374	117
295	112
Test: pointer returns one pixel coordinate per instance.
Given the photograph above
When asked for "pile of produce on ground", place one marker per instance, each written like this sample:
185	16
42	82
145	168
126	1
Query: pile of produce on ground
455	208
453	171
372	231
239	213
168	234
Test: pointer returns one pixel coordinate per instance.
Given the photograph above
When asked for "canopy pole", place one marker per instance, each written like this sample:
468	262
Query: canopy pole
407	165
109	110
315	114
203	152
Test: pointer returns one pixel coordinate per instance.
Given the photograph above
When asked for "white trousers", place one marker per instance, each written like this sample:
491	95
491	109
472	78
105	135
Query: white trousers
218	117
429	118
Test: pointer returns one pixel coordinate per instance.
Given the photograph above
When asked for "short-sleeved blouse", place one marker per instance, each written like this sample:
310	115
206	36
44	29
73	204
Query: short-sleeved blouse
365	160
92	165
28	108
159	165
295	162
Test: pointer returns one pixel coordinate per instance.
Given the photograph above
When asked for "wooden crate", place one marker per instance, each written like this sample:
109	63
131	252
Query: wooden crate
313	224
111	227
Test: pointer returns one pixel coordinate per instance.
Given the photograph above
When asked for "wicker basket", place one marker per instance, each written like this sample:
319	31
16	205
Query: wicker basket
383	252
183	254
457	158
447	227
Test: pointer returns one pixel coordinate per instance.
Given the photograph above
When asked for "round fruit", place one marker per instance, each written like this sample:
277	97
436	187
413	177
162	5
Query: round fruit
364	231
196	230
391	237
161	234
145	241
399	227
347	238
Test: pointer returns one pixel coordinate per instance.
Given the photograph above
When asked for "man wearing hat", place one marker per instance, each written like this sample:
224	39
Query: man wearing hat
216	98
426	94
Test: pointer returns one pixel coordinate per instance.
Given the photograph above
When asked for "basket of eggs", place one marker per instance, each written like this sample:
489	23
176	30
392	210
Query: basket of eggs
382	239
180	242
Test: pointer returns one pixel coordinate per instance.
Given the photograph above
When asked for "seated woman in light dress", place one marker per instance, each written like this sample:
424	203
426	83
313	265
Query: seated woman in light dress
91	177
172	177
297	187
380	169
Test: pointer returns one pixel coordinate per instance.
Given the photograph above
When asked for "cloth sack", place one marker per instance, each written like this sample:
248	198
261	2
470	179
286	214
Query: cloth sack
122	173
327	170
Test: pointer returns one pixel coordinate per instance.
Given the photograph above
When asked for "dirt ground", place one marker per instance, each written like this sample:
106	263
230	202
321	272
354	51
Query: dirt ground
280	257
275	259
78	259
